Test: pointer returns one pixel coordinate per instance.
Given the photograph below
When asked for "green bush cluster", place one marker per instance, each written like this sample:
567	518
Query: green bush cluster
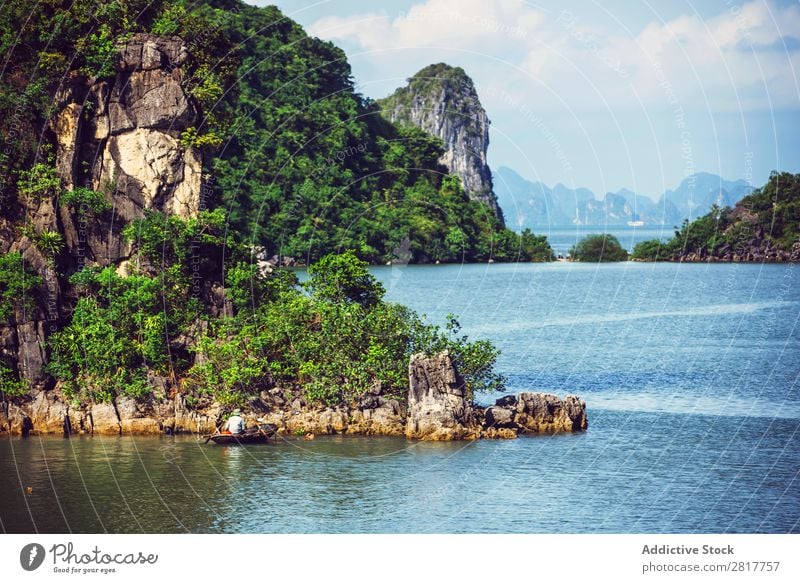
85	201
39	182
10	383
18	283
334	337
121	327
598	248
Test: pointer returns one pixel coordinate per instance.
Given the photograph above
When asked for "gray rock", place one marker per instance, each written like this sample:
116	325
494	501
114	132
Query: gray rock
442	101
149	99
147	52
499	417
31	352
544	413
104	419
437	406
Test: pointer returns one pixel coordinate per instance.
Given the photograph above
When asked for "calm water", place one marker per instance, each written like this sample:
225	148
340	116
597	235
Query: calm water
690	375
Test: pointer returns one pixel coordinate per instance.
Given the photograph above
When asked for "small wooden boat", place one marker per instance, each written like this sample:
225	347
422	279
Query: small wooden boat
259	435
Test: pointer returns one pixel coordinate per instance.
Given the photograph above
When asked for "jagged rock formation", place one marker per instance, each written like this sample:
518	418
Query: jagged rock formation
438	410
442	101
119	136
50	412
124	136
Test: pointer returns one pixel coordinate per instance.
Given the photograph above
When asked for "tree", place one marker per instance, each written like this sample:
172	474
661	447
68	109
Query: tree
17	284
344	278
652	250
599	248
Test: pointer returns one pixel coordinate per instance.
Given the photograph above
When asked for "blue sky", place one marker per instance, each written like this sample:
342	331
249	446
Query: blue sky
602	95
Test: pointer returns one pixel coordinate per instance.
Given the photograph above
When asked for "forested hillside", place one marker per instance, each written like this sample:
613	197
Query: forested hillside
301	163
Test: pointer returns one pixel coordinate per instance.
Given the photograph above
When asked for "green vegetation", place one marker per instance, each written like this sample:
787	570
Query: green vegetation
769	214
651	250
50	243
120	328
86	201
309	165
39	182
598	248
10	383
17	285
123	327
334	337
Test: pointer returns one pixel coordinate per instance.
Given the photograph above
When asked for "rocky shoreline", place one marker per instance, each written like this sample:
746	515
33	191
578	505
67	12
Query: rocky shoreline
437	409
759	252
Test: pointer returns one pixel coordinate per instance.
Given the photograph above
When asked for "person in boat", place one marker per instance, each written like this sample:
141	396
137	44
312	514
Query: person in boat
235	423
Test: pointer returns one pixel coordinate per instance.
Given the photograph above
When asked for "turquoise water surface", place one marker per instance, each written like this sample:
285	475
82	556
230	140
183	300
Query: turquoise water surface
689	372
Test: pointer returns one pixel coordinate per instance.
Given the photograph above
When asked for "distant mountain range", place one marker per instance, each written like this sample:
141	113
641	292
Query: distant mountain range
534	204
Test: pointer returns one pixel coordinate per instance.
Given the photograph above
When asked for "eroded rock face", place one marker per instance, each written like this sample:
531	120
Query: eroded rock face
442	101
13	419
438	409
545	413
378	416
437	406
122	137
150	170
104	419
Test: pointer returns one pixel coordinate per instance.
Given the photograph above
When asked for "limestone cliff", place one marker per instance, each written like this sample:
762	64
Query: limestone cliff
119	136
442	101
123	136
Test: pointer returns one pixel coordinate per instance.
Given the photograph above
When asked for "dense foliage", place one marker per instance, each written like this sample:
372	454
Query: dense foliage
337	341
18	282
333	338
769	214
302	163
598	248
121	327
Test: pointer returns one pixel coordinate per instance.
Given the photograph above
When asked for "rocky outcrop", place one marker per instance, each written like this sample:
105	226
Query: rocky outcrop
442	101
438	409
758	250
123	136
120	136
545	413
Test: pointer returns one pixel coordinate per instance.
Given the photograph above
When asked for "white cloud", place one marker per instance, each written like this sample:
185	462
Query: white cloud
733	60
452	23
